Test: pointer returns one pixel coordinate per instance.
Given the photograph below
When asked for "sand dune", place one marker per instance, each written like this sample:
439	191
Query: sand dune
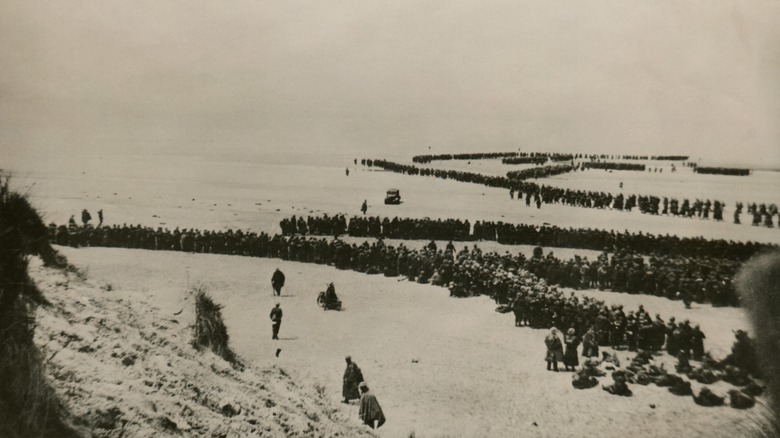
439	366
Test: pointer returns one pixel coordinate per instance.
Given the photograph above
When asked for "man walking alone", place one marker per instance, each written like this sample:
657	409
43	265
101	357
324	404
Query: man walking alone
277	282
276	321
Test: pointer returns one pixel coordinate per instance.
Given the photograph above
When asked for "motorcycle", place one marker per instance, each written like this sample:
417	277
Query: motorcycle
322	301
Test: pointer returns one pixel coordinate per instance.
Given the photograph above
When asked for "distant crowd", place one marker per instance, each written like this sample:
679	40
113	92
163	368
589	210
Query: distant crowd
613	166
544	156
524	160
538	194
721	171
540	172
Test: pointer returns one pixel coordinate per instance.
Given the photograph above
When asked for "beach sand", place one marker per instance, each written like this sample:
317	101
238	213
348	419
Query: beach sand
439	366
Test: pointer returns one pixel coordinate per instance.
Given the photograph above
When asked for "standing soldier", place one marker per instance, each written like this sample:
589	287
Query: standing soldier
276	321
554	350
277	282
370	412
364	207
352	378
100	217
85	217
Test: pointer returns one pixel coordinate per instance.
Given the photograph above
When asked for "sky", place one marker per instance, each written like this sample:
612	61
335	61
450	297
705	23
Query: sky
649	77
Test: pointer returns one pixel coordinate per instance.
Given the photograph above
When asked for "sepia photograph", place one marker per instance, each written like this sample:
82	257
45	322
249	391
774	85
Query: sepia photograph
401	219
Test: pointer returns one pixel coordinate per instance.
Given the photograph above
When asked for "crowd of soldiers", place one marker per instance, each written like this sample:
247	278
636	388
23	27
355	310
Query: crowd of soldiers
526	234
473	156
468	272
673	273
762	214
538	194
524	160
721	171
544	156
698	280
613	166
540	172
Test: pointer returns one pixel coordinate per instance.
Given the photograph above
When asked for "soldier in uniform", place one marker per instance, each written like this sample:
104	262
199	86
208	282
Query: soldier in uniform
276	321
277	282
352	378
554	349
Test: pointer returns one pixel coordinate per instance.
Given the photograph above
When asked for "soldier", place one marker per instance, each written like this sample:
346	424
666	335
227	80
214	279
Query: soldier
352	378
364	207
277	282
697	337
554	349
370	412
571	356
590	345
85	217
100	217
276	321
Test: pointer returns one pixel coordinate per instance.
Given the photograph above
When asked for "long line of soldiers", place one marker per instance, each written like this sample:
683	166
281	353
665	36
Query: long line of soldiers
472	156
672	275
526	234
721	171
614	166
468	272
540	172
538	194
553	156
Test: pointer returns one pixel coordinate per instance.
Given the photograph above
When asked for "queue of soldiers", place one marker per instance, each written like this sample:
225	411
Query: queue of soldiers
552	156
540	172
541	194
721	171
669	274
473	156
526	234
762	214
524	160
613	166
468	272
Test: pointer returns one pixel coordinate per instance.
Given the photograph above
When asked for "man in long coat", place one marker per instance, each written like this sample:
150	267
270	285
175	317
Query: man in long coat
352	378
370	412
554	349
277	282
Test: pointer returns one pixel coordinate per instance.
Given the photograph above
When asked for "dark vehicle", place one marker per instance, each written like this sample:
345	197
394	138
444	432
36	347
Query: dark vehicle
328	299
393	197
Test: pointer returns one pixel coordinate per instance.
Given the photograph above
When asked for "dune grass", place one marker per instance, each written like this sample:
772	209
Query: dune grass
210	330
28	405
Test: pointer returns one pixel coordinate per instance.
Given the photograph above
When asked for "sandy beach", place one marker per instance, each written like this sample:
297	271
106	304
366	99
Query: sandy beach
440	366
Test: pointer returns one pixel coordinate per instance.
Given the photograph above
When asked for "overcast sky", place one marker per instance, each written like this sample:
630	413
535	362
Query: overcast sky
696	77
